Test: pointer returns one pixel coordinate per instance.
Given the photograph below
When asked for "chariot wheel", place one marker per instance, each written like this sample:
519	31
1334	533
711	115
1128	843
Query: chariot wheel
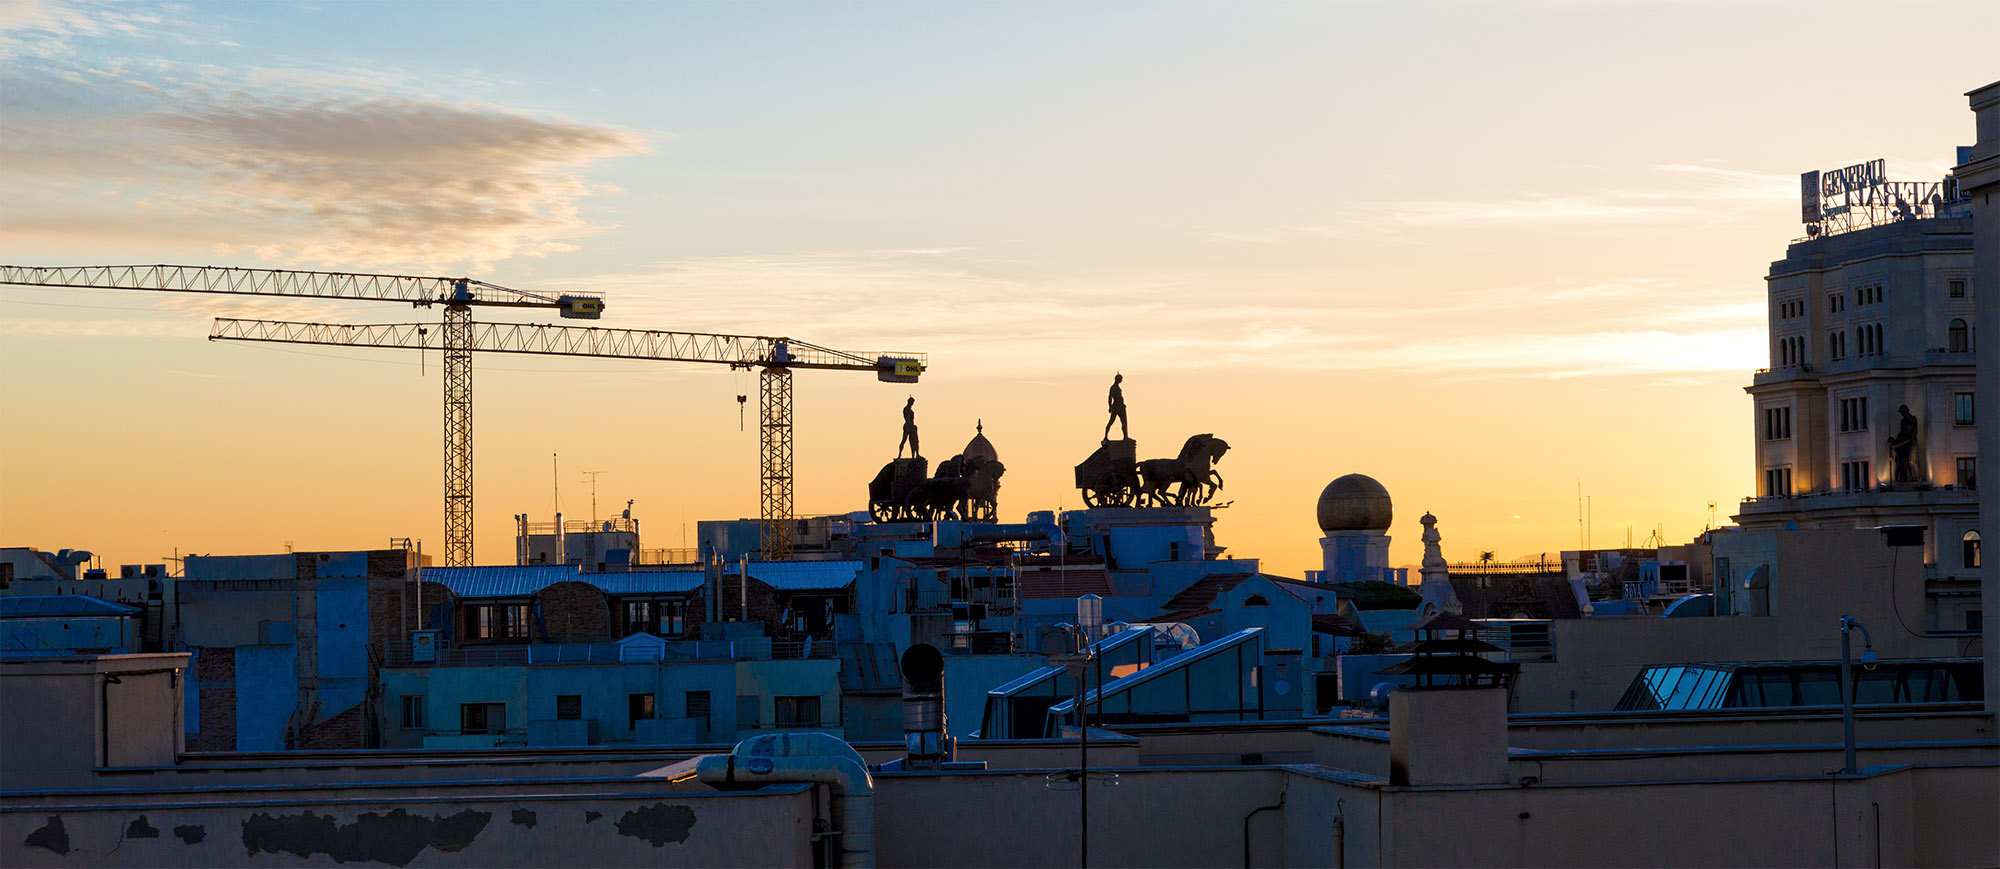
1110	491
883	511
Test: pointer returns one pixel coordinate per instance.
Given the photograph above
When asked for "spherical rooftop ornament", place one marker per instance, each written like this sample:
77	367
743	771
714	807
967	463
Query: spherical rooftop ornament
980	447
1355	503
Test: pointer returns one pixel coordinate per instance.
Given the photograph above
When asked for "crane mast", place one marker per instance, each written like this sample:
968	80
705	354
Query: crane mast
776	356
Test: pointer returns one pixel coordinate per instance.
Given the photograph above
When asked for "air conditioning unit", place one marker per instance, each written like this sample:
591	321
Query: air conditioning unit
129	571
424	647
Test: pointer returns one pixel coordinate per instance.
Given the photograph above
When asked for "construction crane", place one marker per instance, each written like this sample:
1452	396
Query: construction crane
777	357
458	296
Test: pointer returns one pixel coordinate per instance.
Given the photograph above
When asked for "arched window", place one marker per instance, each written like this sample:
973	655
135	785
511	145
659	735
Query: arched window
1957	338
1256	600
1971	553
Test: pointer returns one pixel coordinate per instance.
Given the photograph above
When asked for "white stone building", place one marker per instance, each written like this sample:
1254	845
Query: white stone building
1868	414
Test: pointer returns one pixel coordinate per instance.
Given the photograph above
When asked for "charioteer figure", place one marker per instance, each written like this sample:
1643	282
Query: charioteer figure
910	429
1116	400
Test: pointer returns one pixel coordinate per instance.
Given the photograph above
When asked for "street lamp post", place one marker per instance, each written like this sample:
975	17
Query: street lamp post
1847	692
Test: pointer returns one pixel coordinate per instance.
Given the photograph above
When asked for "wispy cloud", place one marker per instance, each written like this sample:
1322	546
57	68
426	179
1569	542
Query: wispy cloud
959	308
1534	209
50	327
1682	191
46	28
293	167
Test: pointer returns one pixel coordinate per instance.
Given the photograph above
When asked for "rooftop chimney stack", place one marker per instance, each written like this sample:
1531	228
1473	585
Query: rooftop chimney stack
923	709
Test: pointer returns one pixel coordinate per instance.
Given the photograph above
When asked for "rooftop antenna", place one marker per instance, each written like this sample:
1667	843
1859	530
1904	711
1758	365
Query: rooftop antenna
593	494
1711	515
555	479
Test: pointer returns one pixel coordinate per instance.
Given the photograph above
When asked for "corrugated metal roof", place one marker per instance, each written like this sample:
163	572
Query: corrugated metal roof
505	581
648	582
44	605
508	581
802	575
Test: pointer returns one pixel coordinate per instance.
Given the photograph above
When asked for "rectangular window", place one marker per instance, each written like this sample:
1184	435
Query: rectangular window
569	707
673	618
1854	414
1961	408
1835	303
1778	482
482	717
1957	289
640	706
413	711
797	711
697	708
497	621
1777	423
1967	473
1854	477
638	617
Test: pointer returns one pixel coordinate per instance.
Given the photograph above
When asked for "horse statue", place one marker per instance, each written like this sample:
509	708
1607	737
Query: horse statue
1193	472
962	490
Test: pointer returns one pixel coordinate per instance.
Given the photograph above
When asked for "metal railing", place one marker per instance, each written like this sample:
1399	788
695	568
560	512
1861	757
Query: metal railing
1497	568
676	555
927	598
1521	641
397	653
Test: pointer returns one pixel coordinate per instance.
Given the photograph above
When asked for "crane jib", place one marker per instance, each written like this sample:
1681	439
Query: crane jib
417	290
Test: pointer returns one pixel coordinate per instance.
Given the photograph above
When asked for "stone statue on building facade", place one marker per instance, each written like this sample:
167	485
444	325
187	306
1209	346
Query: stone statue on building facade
1903	447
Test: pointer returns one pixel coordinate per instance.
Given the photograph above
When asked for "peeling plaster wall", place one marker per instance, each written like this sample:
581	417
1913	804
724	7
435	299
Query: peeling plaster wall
768	828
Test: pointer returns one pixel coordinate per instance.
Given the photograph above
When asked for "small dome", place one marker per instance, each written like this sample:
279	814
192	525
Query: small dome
979	447
1354	503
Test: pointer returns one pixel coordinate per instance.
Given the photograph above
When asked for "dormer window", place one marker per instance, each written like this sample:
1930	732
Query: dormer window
1256	600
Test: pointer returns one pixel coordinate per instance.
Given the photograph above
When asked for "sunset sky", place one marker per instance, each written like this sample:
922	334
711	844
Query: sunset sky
1486	253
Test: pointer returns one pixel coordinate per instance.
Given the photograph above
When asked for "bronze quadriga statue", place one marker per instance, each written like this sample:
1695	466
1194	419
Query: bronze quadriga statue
891	488
1193	472
963	489
1110	477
